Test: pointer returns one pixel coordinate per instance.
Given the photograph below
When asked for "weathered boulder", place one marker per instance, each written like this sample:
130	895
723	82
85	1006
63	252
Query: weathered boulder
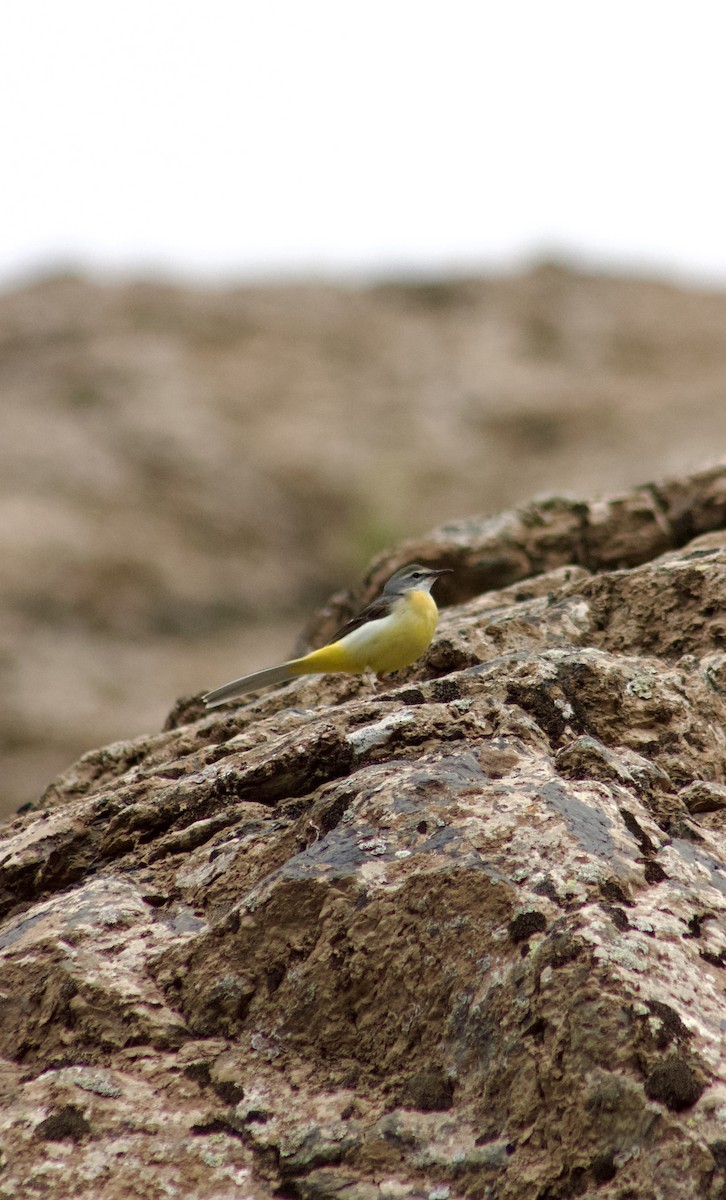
462	936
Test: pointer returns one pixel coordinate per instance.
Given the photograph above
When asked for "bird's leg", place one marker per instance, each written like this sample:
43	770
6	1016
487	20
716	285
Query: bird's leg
370	678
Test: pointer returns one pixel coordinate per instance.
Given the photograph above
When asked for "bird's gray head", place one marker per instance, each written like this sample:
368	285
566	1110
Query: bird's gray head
413	578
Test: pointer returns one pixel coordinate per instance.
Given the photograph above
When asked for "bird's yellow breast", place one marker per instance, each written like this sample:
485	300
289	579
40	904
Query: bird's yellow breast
386	644
414	619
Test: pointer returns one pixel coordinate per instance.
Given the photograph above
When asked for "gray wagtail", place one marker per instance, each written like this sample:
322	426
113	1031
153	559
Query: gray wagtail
389	634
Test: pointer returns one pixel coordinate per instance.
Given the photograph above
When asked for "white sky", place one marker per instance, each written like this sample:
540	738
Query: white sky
228	138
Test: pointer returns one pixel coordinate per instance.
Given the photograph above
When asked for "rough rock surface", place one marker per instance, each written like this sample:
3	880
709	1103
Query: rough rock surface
185	473
464	936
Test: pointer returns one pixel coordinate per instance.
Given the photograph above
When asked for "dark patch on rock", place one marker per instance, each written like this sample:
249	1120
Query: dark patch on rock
718	1150
547	888
430	1090
646	845
603	1167
198	1072
673	1082
526	924
257	1116
618	917
216	1125
559	949
613	890
715	959
672	1027
695	924
67	1124
229	1092
540	704
446	690
406	695
333	813
654	872
232	920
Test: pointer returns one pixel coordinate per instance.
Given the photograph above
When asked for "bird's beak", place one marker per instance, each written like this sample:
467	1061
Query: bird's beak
443	571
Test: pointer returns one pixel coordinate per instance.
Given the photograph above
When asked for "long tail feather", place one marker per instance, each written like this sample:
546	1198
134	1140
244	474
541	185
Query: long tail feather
248	683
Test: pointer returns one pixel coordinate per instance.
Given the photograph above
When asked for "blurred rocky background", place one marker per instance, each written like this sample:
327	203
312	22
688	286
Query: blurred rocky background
185	473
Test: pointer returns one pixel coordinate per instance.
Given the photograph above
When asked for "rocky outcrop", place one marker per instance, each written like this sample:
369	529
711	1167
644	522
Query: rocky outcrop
187	472
462	936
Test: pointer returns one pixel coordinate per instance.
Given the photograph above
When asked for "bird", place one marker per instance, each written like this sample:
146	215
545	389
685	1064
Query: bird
389	634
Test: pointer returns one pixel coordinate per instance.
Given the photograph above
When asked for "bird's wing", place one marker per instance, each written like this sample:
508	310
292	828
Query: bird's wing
372	612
